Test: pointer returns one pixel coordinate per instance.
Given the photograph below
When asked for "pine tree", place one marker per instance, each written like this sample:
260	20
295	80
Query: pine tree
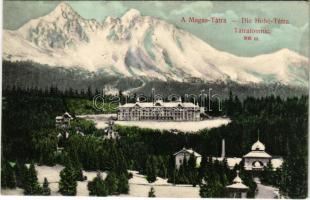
46	190
11	177
77	167
230	104
112	183
68	184
152	192
123	186
192	172
89	92
267	174
31	186
151	169
21	173
212	189
97	187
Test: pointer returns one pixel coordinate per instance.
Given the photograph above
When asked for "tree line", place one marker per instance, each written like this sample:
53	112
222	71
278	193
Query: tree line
29	124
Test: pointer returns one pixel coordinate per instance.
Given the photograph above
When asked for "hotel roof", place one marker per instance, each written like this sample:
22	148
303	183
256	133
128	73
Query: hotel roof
159	104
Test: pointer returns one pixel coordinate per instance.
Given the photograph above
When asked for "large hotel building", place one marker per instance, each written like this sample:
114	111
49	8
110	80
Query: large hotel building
159	110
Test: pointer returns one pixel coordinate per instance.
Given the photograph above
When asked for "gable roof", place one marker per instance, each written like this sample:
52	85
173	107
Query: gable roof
189	151
159	104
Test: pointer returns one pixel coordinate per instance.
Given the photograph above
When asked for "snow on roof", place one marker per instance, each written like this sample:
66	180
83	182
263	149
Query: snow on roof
237	179
237	183
231	162
257	154
68	115
277	162
159	104
258	146
189	151
237	186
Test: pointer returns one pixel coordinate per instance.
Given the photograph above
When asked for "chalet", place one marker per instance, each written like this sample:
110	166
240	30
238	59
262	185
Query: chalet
110	132
186	154
64	120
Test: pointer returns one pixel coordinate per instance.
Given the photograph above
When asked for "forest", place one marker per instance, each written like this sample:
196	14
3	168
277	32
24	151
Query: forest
27	74
28	122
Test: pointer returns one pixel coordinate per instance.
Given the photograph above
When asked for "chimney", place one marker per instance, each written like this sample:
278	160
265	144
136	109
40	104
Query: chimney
223	148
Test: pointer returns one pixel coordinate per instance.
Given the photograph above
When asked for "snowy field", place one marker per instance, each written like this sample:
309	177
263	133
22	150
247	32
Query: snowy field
185	126
100	119
138	185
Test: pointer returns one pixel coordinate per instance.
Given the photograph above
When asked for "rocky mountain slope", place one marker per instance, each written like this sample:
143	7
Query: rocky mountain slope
142	46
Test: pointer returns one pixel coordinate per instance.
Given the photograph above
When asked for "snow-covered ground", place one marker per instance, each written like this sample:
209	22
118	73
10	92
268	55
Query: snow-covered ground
265	192
185	126
52	175
100	119
138	185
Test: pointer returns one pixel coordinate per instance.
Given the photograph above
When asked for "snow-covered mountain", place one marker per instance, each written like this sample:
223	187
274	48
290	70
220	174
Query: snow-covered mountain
136	45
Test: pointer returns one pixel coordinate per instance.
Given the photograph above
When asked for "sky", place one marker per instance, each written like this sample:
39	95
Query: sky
294	36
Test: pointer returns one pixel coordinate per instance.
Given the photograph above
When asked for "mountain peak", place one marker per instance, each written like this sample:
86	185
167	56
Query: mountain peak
131	15
63	6
63	9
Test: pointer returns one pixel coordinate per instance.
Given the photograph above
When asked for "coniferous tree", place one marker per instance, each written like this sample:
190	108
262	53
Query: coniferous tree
10	176
191	170
45	189
151	169
112	183
212	188
68	183
97	187
267	174
162	167
77	167
123	186
230	104
21	173
31	186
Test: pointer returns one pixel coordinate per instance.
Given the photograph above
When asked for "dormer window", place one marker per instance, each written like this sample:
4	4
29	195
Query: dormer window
157	104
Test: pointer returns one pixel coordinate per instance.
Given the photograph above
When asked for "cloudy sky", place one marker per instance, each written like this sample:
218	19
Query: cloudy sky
294	36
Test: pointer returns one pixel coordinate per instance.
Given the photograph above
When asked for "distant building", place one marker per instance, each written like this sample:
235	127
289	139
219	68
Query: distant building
237	189
111	133
159	110
256	159
64	120
231	161
186	154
